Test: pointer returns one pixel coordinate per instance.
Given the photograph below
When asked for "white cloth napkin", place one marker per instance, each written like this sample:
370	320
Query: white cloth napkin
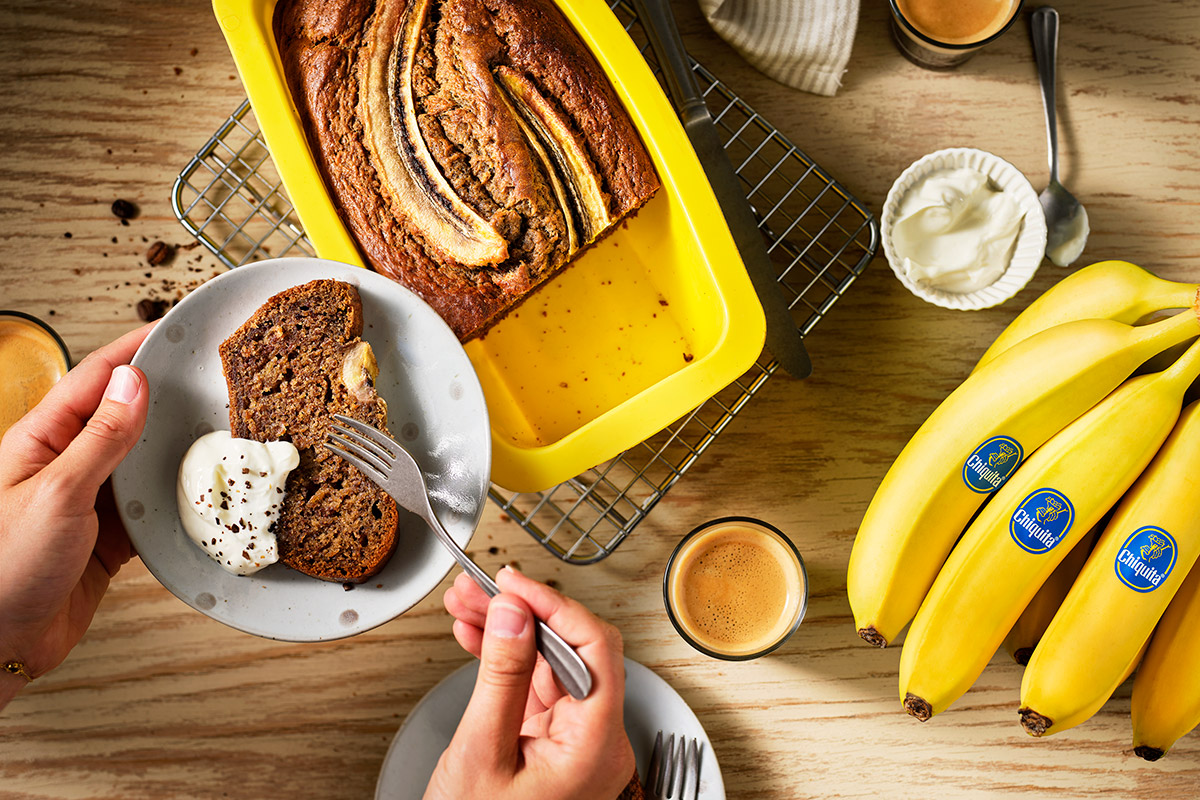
801	43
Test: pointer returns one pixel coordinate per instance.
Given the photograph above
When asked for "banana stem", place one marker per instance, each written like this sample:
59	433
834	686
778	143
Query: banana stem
1171	295
1176	328
1186	369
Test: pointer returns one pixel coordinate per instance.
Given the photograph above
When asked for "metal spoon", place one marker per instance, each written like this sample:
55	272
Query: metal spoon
1066	220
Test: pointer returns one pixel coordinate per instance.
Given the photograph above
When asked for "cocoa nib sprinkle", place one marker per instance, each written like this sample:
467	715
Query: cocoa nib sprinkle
159	253
123	209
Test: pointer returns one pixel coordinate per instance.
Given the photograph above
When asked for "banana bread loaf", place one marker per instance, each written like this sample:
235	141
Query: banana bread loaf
472	147
293	365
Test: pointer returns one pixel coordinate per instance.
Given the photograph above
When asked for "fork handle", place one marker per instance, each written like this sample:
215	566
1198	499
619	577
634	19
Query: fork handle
562	658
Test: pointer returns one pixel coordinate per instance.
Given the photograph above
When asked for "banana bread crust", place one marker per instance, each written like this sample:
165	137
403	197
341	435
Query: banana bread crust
470	121
286	369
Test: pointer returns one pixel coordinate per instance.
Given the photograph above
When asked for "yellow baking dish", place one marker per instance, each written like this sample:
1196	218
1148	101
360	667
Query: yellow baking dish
644	327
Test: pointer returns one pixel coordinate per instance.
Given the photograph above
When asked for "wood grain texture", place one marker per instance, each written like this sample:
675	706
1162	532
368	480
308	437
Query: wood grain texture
104	100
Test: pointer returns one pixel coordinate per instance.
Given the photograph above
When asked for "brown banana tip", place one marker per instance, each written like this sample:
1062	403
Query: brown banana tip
1149	753
872	636
918	707
1022	655
1034	723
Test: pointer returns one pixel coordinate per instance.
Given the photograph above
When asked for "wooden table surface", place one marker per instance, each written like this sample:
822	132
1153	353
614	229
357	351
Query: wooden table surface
101	100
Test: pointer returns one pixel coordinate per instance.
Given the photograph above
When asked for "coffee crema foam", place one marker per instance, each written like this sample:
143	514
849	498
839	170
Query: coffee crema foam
957	22
736	589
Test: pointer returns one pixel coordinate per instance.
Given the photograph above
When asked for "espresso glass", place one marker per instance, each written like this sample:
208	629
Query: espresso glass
13	408
927	51
797	605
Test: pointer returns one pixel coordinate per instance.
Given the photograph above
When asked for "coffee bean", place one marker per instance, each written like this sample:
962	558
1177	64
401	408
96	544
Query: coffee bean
123	209
151	309
159	254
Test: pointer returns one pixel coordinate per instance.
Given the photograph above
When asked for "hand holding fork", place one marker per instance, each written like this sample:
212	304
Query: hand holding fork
394	470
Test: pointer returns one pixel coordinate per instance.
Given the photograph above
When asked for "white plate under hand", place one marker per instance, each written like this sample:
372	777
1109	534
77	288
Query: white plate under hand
435	409
651	705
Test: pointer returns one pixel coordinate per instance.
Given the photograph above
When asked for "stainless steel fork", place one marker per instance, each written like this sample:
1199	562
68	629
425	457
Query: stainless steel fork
674	771
394	470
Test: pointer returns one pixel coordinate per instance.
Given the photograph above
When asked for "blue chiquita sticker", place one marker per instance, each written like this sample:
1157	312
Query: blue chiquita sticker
991	464
1146	559
1041	521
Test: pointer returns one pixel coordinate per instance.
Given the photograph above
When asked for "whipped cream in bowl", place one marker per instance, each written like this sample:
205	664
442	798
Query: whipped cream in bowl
229	493
963	229
956	231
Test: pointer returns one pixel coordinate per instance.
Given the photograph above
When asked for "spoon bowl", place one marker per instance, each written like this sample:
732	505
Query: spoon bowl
1066	224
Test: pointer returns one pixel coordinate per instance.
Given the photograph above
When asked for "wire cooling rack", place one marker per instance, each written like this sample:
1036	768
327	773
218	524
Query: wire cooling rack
821	238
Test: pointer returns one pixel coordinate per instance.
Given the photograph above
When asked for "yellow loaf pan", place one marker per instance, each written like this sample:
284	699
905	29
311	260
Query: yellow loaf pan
641	329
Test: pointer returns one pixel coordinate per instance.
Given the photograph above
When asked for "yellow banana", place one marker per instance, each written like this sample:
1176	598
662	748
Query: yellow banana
970	445
1031	524
1166	692
1036	617
1107	290
1121	593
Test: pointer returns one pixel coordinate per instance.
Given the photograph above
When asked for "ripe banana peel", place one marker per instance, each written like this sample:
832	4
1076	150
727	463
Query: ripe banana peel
1031	524
972	443
1114	290
1122	591
1166	693
1034	620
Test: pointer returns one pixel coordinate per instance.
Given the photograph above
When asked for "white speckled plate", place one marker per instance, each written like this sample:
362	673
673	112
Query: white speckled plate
435	408
651	705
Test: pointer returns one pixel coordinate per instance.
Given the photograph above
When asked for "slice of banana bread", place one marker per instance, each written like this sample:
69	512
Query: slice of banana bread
633	790
297	361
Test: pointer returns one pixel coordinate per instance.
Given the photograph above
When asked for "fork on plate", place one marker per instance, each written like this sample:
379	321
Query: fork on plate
385	462
674	771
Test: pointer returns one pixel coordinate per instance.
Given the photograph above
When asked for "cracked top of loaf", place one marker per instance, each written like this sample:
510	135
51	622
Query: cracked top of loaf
473	147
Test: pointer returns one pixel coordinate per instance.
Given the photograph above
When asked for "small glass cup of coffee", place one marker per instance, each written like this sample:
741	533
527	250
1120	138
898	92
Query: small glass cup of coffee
735	588
32	359
941	34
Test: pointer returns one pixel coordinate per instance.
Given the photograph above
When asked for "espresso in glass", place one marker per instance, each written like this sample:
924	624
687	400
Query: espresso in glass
941	34
32	359
735	588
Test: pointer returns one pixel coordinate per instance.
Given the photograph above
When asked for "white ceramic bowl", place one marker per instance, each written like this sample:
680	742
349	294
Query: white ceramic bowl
1031	241
435	409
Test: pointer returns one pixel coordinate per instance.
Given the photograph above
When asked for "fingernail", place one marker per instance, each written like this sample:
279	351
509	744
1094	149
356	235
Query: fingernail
505	621
123	385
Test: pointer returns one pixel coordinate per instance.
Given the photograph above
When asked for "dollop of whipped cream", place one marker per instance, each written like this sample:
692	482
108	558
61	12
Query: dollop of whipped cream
955	231
229	493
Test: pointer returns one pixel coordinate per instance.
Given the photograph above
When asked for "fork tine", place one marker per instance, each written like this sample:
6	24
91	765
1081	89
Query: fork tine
364	461
668	777
681	768
654	770
691	788
369	445
379	438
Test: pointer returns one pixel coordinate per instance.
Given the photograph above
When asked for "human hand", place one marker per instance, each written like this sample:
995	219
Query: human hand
522	736
60	538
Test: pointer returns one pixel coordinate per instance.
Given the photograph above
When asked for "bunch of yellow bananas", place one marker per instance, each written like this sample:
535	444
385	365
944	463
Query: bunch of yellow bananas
1051	431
